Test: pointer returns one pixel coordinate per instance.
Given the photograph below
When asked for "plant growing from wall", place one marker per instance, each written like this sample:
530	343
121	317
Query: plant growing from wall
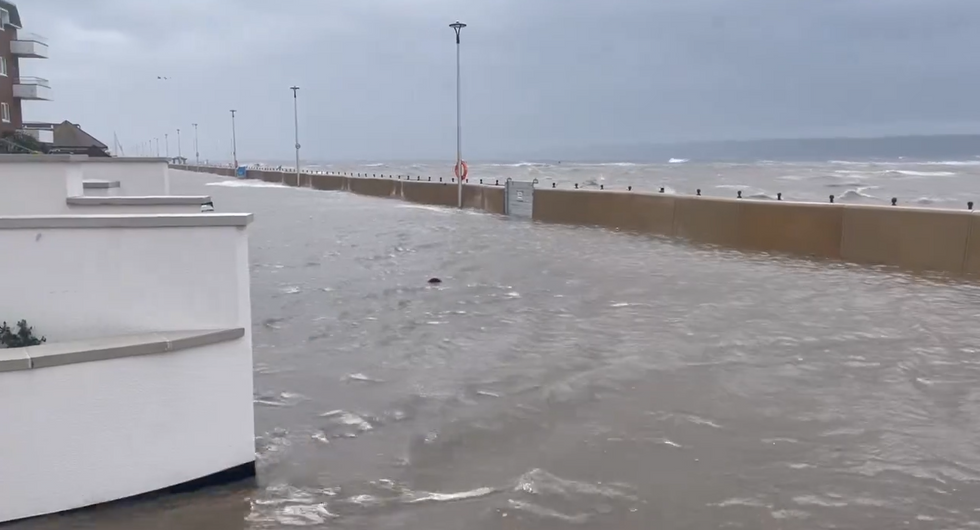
15	142
24	336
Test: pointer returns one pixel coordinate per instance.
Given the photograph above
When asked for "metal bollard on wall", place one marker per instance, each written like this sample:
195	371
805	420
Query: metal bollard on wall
552	184
740	194
430	179
576	185
630	188
496	183
440	179
699	192
602	186
894	201
779	196
661	189
831	199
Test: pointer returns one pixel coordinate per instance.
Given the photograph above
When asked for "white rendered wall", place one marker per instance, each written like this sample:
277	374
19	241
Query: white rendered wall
75	209
38	188
88	433
136	176
91	282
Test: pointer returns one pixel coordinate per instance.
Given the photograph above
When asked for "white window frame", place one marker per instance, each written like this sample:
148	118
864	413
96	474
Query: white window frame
3	66
5	112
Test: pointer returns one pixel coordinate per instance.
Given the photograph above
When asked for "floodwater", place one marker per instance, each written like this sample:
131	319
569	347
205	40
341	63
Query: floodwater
564	377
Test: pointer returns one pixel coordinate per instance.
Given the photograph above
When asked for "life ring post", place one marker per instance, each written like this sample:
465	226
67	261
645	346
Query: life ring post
461	170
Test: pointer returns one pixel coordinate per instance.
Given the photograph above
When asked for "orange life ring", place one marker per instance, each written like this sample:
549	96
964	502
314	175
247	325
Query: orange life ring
465	170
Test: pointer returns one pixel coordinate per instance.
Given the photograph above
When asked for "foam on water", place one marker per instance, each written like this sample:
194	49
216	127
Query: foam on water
428	208
242	183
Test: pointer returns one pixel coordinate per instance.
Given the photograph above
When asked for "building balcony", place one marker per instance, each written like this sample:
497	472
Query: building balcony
29	45
32	88
45	136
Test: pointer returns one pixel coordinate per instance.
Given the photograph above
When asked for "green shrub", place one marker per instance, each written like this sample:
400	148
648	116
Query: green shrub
24	336
16	142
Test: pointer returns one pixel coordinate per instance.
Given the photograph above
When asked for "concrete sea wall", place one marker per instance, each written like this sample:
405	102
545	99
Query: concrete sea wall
913	239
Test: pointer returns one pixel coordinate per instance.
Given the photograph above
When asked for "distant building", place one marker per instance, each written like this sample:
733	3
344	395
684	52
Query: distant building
69	138
15	88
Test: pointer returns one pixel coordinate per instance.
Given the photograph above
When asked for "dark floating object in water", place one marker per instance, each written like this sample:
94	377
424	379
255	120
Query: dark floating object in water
434	281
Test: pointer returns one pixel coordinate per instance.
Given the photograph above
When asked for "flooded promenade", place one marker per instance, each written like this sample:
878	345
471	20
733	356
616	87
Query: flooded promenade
564	377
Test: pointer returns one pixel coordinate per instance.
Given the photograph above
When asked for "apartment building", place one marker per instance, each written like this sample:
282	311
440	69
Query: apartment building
15	88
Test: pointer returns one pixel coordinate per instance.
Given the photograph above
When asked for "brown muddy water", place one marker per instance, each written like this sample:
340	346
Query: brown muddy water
566	377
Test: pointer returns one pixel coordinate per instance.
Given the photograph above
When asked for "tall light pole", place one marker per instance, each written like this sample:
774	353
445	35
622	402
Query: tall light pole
295	89
178	144
197	153
234	140
166	141
457	27
158	146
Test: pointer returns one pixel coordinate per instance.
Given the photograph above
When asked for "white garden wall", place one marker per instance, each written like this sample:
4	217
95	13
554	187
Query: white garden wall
32	184
136	176
96	276
89	433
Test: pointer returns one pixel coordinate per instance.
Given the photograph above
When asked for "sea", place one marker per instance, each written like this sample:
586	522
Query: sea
924	183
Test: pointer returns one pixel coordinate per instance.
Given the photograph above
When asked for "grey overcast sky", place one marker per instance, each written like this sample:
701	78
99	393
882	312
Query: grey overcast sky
378	76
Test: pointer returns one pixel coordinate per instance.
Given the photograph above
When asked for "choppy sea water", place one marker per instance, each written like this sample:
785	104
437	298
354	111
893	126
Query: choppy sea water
934	184
565	377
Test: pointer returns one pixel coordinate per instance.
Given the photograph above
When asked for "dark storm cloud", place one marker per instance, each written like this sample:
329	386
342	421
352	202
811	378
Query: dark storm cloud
378	78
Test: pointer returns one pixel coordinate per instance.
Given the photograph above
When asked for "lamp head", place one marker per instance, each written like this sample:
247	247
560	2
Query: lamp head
457	26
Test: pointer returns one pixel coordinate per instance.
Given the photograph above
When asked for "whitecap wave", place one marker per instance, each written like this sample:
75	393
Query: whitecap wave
521	164
909	173
594	182
857	193
678	160
954	163
931	200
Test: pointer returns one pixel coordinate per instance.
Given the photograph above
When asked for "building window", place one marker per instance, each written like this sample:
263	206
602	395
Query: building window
3	66
5	112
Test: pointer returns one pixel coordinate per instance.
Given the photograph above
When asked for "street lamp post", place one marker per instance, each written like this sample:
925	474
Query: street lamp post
234	140
158	146
457	27
178	144
166	141
295	89
197	153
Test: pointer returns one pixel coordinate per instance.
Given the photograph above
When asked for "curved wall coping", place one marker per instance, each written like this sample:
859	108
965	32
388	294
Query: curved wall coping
99	184
104	348
40	159
146	200
125	221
